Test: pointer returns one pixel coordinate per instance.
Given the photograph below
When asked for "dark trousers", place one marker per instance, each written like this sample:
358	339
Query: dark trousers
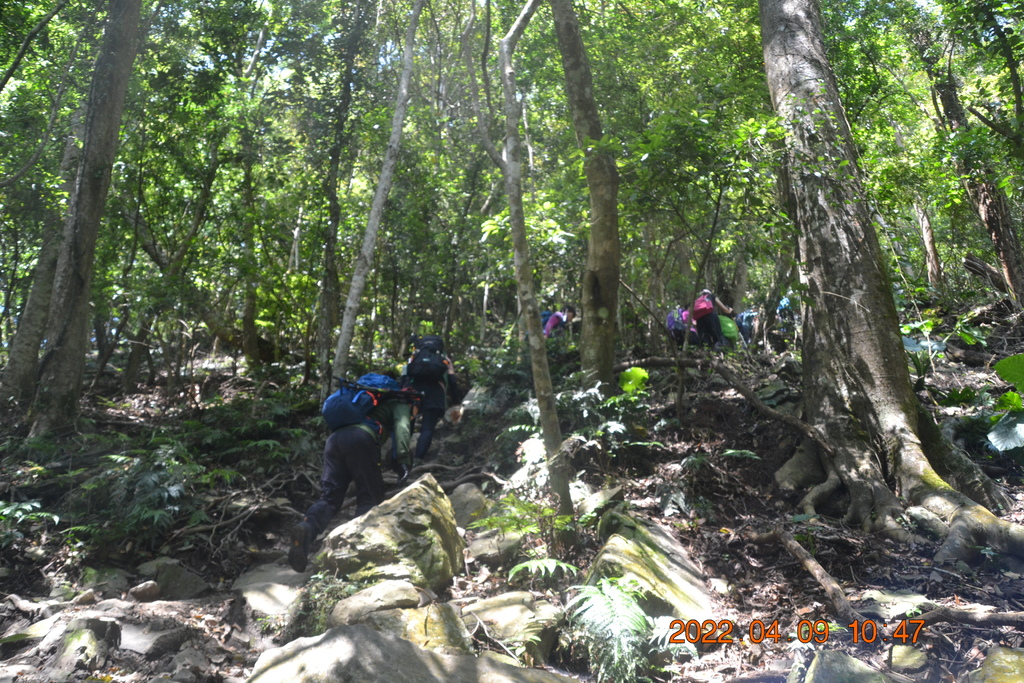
350	455
709	330
430	419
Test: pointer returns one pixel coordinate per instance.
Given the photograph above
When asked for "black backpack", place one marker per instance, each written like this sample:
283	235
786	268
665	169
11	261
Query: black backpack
429	362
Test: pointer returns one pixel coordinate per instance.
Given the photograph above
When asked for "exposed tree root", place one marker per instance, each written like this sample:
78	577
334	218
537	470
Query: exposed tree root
972	525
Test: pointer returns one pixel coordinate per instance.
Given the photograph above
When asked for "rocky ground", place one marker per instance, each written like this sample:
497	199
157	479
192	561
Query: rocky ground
708	479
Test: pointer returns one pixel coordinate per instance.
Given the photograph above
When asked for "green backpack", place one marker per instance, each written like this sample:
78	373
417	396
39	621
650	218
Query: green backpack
729	329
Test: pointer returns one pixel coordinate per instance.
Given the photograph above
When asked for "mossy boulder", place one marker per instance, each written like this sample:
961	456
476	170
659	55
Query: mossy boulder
648	554
410	537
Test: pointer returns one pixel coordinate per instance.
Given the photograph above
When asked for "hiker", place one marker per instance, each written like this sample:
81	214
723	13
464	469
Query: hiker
746	321
785	314
557	322
352	454
705	311
679	326
430	372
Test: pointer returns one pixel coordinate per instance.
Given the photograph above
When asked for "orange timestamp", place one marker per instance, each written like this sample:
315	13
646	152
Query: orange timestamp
724	631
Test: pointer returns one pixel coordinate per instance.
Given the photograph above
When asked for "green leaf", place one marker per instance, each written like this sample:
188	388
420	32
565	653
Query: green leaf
1010	401
1008	433
1011	370
633	380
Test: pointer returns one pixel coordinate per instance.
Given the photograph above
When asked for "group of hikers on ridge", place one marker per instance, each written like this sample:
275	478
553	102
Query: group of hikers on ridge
715	324
705	328
362	415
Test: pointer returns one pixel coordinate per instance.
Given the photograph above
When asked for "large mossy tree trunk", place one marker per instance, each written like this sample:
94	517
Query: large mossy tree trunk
857	389
63	363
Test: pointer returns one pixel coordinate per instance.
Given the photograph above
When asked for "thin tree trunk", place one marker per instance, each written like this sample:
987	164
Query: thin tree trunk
604	253
931	253
365	259
517	220
63	363
978	178
529	311
327	308
550	428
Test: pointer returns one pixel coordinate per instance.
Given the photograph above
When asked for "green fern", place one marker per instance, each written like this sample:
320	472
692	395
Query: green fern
613	627
544	567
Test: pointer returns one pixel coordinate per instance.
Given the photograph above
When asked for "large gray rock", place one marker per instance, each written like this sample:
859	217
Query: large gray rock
598	503
105	580
178	583
357	654
85	646
517	619
648	554
494	548
385	595
270	588
468	503
411	537
435	627
1001	664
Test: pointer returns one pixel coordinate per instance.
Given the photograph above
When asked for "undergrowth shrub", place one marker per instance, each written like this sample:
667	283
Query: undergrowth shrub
141	494
21	518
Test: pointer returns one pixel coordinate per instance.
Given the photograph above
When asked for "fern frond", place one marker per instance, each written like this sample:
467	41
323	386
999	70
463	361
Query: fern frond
544	567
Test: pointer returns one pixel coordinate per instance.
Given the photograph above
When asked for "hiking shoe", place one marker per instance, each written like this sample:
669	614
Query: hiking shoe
302	536
403	473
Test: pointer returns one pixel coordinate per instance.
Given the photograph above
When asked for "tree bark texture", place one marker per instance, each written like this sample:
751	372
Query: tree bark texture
512	171
932	260
523	269
857	389
601	276
63	363
17	383
387	173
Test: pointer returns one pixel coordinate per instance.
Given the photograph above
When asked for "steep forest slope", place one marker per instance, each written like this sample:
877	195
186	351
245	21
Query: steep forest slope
215	482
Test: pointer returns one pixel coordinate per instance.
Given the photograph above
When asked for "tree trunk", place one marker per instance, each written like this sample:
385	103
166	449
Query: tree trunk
931	253
365	259
979	179
327	309
17	383
601	276
856	386
542	387
63	363
529	311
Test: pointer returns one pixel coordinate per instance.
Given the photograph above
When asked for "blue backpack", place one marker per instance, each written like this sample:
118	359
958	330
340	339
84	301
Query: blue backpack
352	403
544	317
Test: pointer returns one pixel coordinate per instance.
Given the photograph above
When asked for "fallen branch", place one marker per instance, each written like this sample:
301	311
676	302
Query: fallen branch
961	616
840	604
